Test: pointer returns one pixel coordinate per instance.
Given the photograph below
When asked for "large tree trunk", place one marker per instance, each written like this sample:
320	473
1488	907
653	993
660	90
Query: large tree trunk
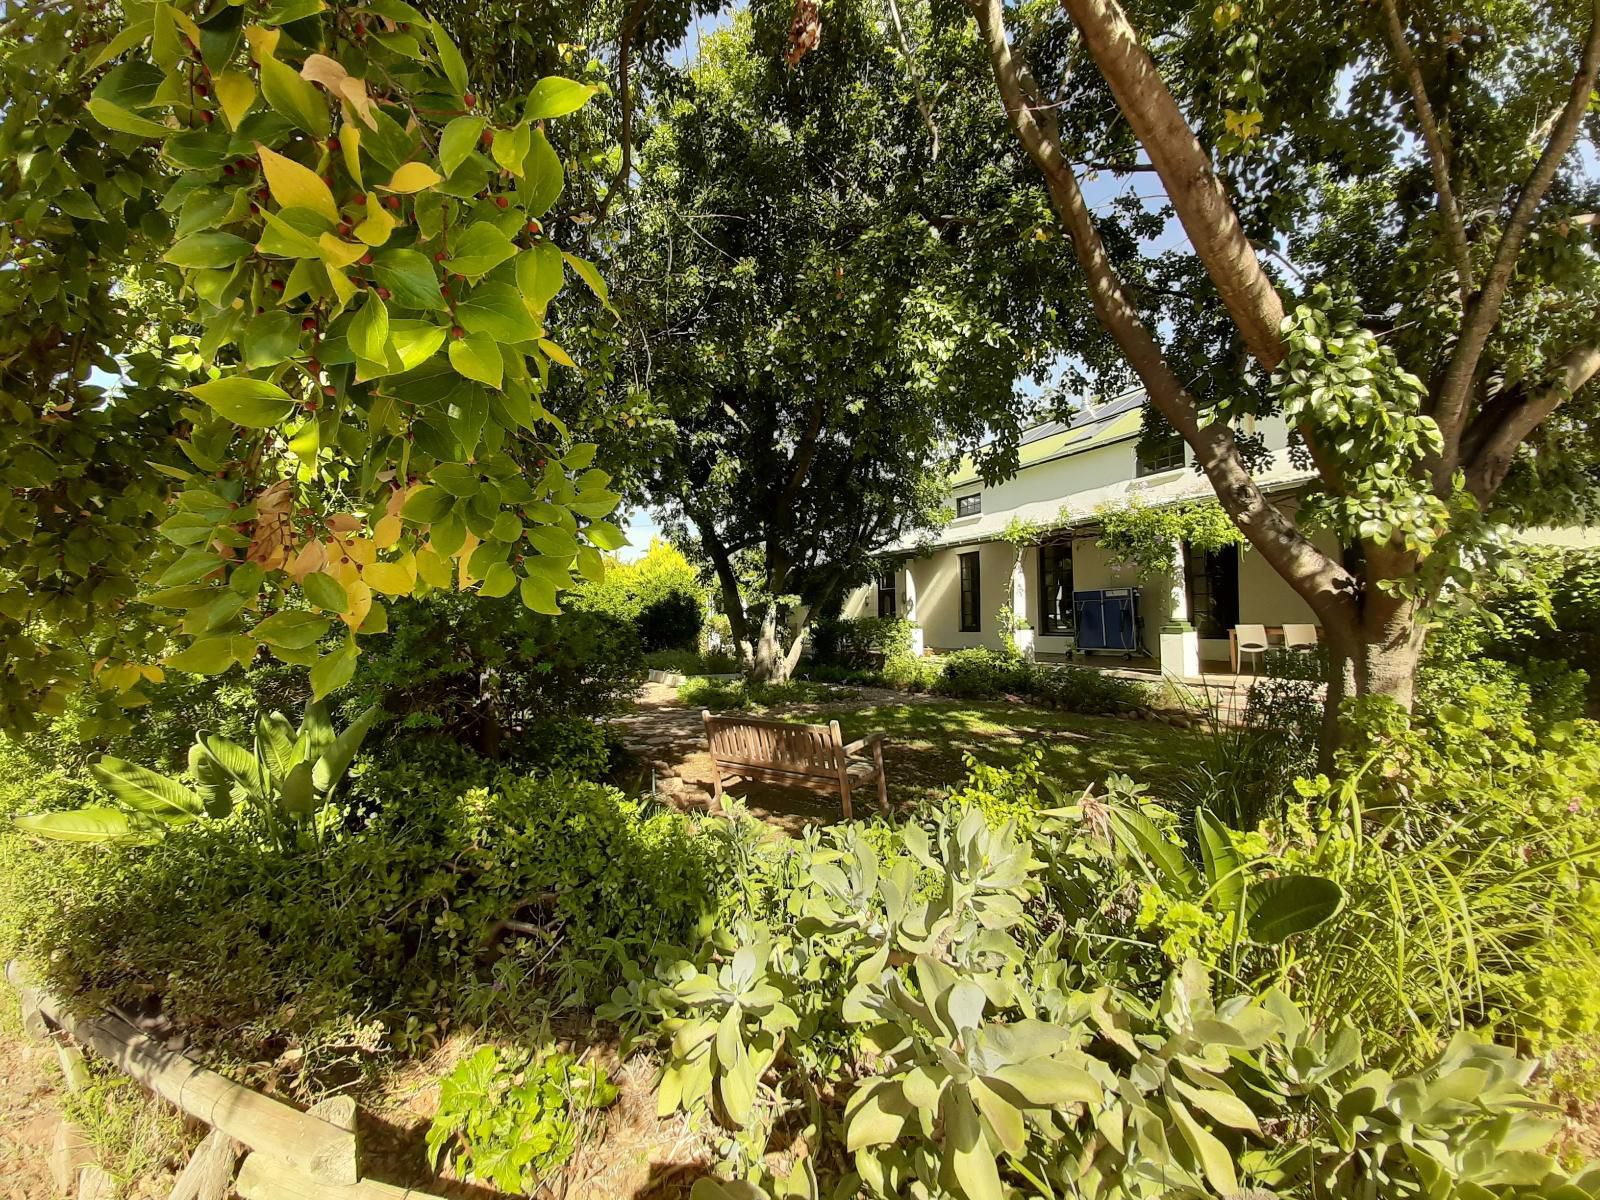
772	663
1376	655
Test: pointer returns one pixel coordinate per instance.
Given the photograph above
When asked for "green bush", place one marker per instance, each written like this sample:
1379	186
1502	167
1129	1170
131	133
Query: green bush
859	643
509	1119
661	596
491	673
982	674
393	931
936	1000
693	662
740	694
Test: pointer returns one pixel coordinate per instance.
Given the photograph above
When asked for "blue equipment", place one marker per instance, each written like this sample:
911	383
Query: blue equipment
1108	621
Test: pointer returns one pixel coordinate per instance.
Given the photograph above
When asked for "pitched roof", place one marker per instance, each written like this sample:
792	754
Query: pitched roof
1110	420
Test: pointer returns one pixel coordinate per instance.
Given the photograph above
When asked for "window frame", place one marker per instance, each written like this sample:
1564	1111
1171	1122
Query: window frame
892	591
1172	455
1050	570
1206	568
976	508
970	592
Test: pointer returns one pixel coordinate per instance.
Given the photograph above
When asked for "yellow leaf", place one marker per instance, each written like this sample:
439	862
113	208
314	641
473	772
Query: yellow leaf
343	289
433	568
294	186
350	146
386	532
360	603
153	673
339	254
354	93
556	353
236	92
329	72
413	177
262	40
378	225
393	578
313	556
186	23
361	551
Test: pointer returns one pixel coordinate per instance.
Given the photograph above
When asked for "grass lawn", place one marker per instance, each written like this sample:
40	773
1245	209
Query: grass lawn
926	743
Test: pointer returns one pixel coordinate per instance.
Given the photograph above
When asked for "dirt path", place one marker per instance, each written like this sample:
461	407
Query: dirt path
30	1084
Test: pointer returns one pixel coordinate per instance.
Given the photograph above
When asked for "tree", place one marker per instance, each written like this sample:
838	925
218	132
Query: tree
361	402
834	287
1427	328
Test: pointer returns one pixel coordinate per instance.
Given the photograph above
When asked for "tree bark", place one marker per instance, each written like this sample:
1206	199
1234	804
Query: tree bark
1376	655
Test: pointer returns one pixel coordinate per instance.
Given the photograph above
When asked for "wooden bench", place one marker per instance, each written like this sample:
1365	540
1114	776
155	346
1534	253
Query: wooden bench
807	756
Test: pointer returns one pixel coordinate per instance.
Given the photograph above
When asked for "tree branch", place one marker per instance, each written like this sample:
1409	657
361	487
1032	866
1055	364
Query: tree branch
1493	439
916	77
1322	582
1197	195
619	184
1438	149
1455	389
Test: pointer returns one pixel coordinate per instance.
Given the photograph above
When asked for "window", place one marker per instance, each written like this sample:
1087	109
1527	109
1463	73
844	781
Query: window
1163	454
1055	575
1212	581
887	597
969	593
969	506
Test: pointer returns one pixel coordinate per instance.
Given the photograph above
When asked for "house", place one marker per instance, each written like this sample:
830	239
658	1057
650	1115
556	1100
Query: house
960	587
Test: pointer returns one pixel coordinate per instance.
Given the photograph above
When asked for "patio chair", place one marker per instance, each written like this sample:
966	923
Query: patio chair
1299	637
1251	639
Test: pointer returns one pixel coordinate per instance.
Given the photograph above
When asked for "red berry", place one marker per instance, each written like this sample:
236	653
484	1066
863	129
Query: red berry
310	406
329	390
535	227
439	257
309	323
488	137
501	201
470	99
313	366
458	332
208	117
344	229
366	259
383	293
333	144
328	179
200	89
276	285
394	201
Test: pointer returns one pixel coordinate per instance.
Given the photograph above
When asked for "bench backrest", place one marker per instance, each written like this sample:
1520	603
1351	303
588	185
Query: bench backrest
801	749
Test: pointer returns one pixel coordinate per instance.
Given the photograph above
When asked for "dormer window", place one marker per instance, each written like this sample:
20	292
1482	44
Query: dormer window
969	506
1166	454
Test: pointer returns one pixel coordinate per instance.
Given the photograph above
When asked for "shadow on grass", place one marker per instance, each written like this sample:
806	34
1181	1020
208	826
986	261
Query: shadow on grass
927	742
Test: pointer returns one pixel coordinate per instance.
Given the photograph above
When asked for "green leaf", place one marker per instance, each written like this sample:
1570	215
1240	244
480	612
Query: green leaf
542	176
555	96
455	67
511	148
1279	908
969	1159
207	656
336	760
292	630
497	310
477	357
605	535
78	825
156	796
1163	860
590	275
427	504
325	592
115	117
539	274
553	540
539	594
458	141
213	250
294	97
1212	1155
479	250
332	671
1224	868
410	276
369	331
269	339
253	403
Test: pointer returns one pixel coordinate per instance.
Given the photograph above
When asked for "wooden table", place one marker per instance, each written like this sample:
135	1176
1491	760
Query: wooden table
1233	640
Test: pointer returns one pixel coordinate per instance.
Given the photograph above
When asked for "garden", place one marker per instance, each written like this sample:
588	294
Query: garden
360	832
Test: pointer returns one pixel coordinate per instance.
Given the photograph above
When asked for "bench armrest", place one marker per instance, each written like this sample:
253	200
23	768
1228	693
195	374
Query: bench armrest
857	747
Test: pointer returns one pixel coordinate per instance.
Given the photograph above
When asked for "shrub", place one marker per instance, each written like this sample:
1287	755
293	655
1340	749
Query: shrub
489	672
509	1119
735	695
660	595
691	662
981	674
395	930
859	643
934	999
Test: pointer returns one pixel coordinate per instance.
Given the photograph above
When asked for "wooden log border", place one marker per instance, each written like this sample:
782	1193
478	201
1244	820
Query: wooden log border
294	1153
